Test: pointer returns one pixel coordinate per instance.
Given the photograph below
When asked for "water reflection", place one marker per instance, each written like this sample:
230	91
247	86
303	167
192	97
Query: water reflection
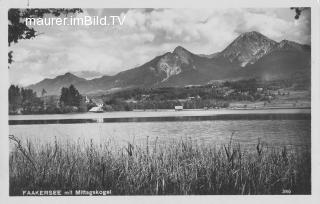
274	116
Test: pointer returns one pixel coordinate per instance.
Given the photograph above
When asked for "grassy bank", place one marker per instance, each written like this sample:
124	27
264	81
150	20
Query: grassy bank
182	167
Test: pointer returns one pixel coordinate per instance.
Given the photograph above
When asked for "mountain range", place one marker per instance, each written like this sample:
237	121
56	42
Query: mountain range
250	55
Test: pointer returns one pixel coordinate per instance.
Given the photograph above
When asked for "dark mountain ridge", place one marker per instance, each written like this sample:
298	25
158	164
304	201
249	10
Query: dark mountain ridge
250	55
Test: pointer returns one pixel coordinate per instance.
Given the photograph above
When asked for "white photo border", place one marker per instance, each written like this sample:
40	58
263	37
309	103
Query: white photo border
315	100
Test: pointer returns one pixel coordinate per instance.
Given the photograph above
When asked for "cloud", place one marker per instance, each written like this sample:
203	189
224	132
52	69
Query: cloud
145	34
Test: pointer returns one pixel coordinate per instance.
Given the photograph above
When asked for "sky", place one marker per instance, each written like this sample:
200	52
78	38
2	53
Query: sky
93	51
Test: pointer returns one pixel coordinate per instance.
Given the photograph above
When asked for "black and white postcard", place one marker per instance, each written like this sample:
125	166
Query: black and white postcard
160	101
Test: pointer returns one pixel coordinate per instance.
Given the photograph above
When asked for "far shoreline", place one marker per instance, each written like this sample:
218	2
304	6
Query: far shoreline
165	113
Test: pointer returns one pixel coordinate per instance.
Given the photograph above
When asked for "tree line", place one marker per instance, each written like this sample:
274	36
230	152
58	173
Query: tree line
23	100
26	101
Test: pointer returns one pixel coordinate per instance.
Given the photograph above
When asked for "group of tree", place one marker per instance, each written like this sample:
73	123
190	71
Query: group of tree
242	90
72	101
23	100
188	104
70	96
250	85
207	96
26	101
122	105
219	94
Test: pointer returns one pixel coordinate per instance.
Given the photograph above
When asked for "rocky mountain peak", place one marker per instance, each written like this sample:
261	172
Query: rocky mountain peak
252	35
67	75
169	64
183	54
285	43
175	62
290	45
179	49
248	48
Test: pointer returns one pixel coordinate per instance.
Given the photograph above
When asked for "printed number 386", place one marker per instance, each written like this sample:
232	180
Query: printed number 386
286	191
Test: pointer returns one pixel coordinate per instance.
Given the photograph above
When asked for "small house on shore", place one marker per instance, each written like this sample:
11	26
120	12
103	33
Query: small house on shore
99	106
178	108
96	109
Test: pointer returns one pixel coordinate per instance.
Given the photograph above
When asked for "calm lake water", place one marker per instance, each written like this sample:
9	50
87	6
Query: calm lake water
292	130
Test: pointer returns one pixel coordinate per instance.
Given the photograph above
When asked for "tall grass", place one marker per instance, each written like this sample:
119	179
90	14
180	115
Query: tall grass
182	167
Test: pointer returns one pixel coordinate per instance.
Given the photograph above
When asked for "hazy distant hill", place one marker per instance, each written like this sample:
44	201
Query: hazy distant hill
249	55
53	86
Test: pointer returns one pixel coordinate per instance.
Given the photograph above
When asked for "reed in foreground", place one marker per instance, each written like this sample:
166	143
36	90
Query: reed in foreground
183	167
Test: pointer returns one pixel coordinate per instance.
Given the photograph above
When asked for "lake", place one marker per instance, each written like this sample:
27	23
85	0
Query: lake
291	127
